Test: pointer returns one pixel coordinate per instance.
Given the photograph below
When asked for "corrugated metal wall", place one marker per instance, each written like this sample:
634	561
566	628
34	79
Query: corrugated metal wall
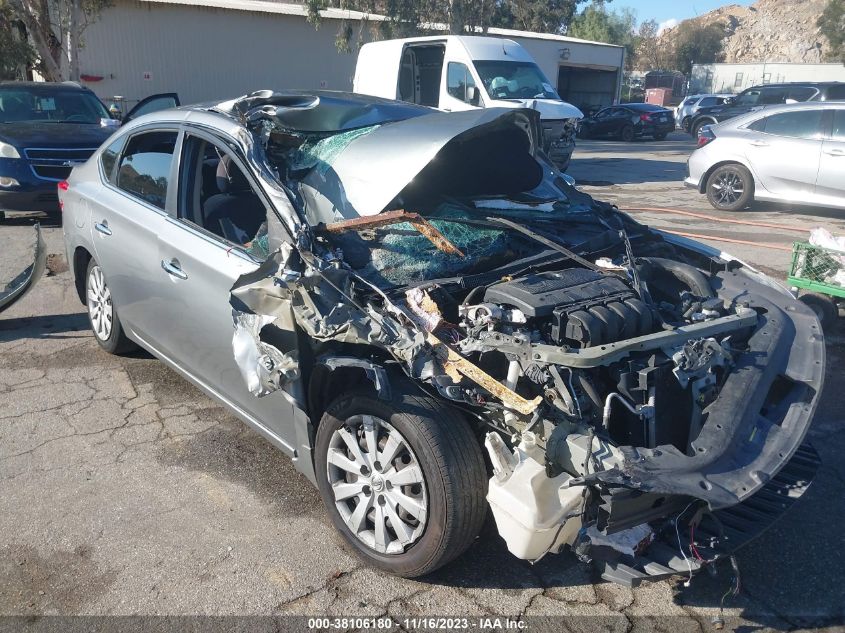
738	77
205	53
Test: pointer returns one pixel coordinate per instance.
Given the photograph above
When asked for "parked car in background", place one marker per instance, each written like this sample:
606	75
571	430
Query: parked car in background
262	248
45	130
758	97
465	72
628	121
788	153
690	106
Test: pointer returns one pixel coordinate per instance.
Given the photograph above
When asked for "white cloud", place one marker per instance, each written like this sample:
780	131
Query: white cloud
671	23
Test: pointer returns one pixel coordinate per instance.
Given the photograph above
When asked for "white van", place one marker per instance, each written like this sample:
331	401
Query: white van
460	72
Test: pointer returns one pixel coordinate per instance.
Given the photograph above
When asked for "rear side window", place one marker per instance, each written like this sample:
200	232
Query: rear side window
836	93
144	169
108	158
802	94
690	101
798	124
709	101
770	96
838	133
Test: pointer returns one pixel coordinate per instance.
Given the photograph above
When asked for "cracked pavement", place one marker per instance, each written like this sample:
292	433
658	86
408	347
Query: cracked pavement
125	490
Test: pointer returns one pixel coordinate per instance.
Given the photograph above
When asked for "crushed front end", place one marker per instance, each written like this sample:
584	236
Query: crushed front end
642	402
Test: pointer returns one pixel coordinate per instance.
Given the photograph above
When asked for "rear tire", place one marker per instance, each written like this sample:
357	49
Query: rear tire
627	133
434	441
660	137
685	124
102	314
824	306
730	187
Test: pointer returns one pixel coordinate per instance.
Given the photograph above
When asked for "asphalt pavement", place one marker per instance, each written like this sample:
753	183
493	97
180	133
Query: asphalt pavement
126	491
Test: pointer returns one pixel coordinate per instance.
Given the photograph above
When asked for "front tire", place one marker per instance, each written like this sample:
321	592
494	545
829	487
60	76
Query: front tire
102	314
403	481
730	187
696	128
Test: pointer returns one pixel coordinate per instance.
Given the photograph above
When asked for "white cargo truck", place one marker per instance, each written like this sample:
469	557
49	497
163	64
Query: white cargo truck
461	72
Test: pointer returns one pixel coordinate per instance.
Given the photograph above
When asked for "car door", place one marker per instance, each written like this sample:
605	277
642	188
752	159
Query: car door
127	215
603	122
784	150
153	103
198	268
831	179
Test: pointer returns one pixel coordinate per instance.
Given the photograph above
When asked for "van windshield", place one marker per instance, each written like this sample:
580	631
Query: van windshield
20	104
514	80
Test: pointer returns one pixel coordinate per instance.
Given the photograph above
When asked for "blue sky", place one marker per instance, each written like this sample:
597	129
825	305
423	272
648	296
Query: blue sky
665	10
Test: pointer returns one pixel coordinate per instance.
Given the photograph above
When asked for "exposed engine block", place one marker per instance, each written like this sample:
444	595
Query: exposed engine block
577	307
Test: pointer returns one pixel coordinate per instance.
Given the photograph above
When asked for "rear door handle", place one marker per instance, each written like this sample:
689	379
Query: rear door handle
759	143
835	152
103	227
172	268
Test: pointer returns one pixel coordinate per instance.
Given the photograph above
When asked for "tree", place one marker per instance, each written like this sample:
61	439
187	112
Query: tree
405	18
598	24
56	28
832	25
695	44
651	52
15	52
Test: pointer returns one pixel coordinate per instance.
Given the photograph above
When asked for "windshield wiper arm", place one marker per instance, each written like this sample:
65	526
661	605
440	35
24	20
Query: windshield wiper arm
560	248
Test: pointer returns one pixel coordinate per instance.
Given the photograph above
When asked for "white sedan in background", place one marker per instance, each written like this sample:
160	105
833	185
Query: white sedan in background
786	153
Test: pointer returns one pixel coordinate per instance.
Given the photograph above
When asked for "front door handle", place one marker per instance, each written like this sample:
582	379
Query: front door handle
759	143
835	152
103	227
172	268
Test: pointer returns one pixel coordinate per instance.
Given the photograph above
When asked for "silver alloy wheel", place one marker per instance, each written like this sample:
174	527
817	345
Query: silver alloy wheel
378	484
99	304
728	187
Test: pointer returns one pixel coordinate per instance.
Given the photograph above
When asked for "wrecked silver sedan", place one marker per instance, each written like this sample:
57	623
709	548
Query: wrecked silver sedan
431	320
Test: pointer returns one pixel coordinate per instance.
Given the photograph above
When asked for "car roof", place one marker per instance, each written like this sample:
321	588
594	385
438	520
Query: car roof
44	85
784	107
797	84
642	106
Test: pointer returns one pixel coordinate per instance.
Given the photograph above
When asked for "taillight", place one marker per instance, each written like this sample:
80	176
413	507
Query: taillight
645	117
63	185
705	135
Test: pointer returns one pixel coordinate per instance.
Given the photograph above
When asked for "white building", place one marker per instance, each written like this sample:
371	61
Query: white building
726	78
217	49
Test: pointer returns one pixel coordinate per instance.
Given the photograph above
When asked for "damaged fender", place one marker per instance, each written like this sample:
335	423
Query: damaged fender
16	289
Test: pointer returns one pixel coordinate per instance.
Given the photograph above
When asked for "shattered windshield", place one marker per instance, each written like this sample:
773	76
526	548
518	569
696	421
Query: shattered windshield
401	253
514	80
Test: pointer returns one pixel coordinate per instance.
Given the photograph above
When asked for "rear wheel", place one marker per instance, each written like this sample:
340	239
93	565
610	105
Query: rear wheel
627	133
660	137
403	481
730	187
824	306
102	314
685	123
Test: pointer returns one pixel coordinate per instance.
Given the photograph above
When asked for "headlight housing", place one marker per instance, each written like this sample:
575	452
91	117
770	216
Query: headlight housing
8	151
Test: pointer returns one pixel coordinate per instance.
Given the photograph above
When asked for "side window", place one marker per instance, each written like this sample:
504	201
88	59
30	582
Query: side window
216	195
144	169
798	124
708	101
836	93
748	98
108	158
838	132
460	84
801	94
770	96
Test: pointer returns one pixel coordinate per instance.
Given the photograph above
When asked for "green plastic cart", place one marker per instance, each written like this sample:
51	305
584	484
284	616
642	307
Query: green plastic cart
811	276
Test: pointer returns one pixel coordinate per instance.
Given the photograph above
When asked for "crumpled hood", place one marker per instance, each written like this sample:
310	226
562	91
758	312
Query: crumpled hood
549	109
373	169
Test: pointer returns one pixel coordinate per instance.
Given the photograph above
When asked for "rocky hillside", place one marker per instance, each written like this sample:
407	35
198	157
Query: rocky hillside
768	30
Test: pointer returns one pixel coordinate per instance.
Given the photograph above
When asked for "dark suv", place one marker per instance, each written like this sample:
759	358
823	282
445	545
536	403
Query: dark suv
45	130
769	94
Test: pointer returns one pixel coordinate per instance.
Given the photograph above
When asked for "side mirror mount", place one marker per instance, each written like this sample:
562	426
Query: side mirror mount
730	101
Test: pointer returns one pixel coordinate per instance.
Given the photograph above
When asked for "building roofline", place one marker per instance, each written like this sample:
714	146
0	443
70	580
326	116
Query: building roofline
279	8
